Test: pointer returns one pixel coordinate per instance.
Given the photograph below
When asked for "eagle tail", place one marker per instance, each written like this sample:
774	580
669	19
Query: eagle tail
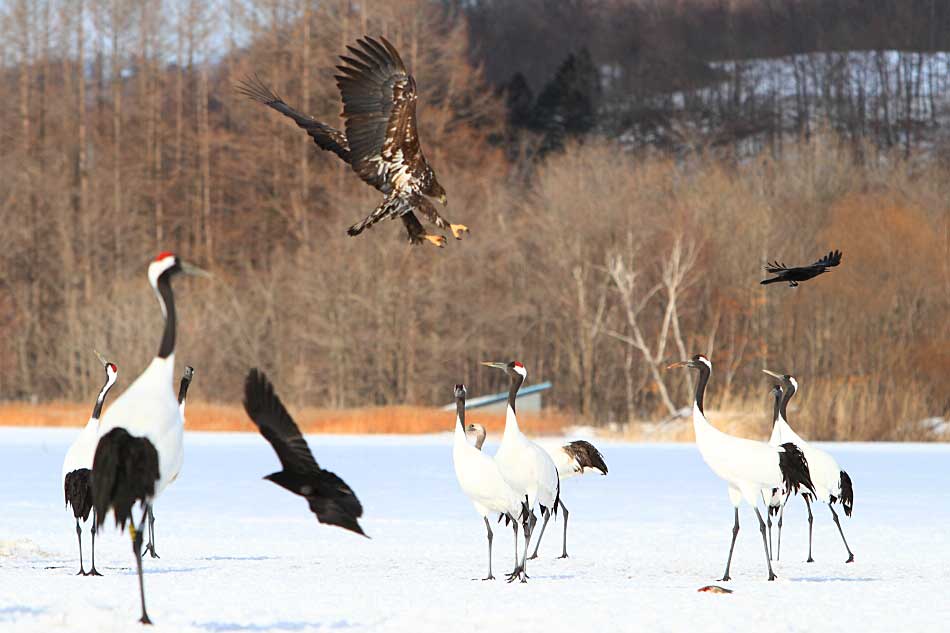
391	207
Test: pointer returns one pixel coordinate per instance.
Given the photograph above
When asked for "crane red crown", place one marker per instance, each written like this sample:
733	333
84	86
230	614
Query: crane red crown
163	255
518	364
113	367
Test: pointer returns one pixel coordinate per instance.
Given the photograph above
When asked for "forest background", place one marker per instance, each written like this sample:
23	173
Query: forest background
626	168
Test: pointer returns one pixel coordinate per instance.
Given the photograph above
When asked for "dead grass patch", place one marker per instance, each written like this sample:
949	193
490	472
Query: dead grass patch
202	416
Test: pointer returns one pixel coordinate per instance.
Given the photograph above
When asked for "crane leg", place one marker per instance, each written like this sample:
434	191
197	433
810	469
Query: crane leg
514	527
150	548
781	519
93	571
735	532
811	520
765	543
564	508
81	572
490	537
840	531
547	516
136	535
520	571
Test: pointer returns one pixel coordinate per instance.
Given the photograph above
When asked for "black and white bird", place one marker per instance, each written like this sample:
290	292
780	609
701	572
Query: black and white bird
571	460
330	498
140	445
746	466
481	480
77	468
775	497
832	485
527	467
798	274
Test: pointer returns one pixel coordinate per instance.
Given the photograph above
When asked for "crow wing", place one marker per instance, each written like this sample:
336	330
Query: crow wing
326	137
775	268
336	503
379	106
275	424
831	259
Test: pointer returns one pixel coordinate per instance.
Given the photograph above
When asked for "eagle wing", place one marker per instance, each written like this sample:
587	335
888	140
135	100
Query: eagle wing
278	428
379	106
326	137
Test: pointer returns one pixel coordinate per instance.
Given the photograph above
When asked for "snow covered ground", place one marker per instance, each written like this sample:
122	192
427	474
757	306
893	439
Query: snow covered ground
240	554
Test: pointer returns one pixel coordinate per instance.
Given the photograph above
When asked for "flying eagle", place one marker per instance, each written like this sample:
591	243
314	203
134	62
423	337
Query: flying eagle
381	141
801	273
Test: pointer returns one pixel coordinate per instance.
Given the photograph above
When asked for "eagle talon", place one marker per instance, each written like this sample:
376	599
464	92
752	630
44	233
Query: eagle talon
457	230
437	240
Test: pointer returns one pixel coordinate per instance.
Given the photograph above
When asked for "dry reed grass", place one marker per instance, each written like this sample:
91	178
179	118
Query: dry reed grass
203	416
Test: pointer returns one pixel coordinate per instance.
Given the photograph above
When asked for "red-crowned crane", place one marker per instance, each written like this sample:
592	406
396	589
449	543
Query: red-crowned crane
832	485
527	468
141	433
571	459
745	465
77	468
481	480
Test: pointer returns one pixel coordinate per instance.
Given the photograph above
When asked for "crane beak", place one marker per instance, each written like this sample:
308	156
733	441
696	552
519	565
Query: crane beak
101	359
772	374
191	269
682	363
495	365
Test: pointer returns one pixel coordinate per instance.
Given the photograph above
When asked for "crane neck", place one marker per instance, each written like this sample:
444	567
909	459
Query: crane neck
183	389
787	392
516	381
776	409
97	410
166	298
704	372
460	413
511	419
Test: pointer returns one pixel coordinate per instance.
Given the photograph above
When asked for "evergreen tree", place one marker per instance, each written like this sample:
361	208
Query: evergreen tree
567	106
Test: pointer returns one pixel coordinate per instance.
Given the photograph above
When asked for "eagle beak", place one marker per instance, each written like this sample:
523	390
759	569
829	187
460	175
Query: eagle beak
495	365
443	200
682	363
772	374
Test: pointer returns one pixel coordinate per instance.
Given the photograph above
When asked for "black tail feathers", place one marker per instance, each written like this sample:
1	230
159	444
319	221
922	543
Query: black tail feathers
124	471
847	493
794	468
78	490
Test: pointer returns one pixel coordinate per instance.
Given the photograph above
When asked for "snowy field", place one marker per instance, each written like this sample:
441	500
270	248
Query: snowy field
240	554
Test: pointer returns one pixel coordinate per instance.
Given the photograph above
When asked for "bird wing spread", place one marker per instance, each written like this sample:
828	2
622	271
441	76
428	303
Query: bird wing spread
776	268
831	259
275	424
326	137
379	106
